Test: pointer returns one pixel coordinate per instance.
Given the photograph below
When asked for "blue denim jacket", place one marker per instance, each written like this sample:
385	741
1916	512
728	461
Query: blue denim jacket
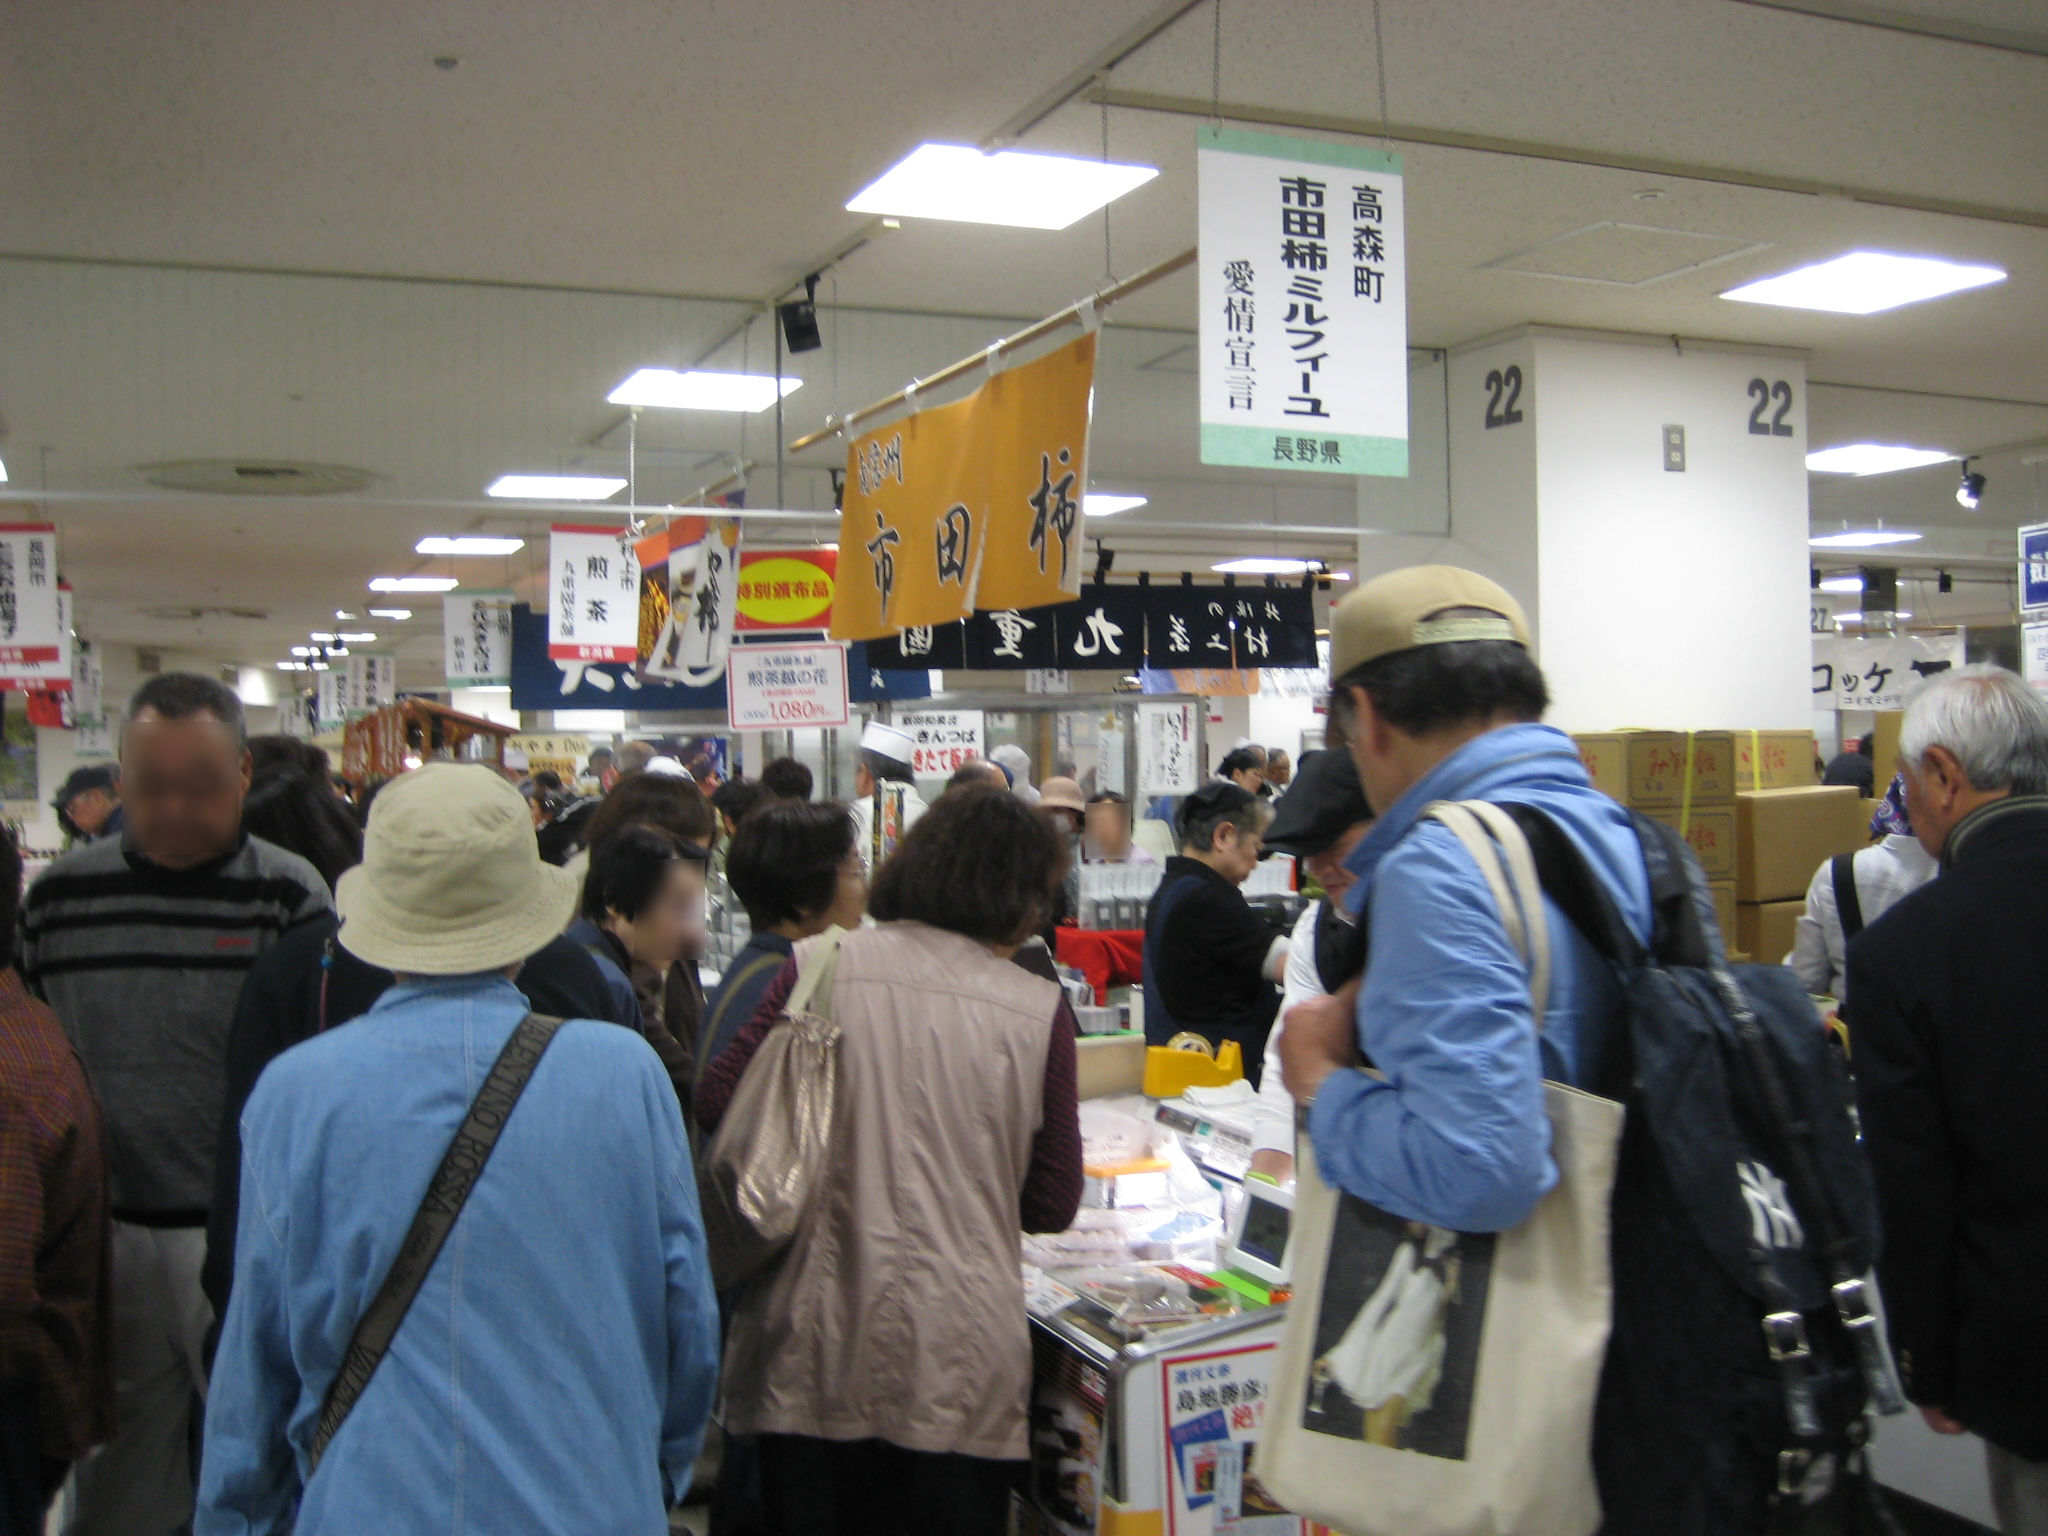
557	1366
1455	1134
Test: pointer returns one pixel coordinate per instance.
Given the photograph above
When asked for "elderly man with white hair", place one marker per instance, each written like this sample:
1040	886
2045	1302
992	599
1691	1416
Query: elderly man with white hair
1949	1023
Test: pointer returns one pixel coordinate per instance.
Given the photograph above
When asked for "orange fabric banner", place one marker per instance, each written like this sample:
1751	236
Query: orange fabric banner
972	505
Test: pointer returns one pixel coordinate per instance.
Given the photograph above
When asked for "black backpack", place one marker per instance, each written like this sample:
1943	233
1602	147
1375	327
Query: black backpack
1745	1357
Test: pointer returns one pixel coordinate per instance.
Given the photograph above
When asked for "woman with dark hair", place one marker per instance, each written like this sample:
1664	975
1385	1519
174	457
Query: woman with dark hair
885	1361
299	813
643	900
794	867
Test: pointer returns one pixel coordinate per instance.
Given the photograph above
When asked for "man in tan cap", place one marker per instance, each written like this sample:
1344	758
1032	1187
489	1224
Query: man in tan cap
1435	692
553	1371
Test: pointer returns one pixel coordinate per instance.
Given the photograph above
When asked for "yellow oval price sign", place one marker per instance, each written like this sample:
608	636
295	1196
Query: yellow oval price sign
786	589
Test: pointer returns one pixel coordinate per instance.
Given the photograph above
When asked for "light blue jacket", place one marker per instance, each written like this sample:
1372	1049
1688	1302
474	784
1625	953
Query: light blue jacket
560	1359
1456	1134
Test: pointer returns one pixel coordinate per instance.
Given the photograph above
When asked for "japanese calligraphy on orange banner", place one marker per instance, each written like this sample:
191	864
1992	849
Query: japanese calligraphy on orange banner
973	505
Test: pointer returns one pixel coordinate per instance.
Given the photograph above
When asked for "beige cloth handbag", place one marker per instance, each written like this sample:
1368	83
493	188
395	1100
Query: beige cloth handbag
1438	1383
756	1179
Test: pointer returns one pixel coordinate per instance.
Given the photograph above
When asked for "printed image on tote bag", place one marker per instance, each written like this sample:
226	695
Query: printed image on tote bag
1397	1336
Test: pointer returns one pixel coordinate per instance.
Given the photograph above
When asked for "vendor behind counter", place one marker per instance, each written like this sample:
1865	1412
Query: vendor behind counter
1210	960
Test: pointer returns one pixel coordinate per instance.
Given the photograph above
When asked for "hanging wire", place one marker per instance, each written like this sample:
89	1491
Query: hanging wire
1216	62
1379	51
1108	271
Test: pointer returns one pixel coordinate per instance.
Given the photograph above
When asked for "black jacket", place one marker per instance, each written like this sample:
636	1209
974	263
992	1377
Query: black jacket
1949	1030
288	997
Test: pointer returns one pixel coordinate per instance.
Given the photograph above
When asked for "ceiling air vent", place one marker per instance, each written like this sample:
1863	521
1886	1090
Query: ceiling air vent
255	477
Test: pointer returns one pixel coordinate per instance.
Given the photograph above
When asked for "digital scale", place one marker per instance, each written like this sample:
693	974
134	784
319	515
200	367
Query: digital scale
1256	1256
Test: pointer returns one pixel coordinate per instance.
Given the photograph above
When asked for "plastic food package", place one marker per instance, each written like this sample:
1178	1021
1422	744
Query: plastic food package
1110	1136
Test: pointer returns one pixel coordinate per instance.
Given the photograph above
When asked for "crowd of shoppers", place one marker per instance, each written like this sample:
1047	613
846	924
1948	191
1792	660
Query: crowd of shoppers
295	1141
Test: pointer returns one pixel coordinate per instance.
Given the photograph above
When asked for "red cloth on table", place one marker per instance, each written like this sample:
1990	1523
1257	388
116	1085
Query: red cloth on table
1108	957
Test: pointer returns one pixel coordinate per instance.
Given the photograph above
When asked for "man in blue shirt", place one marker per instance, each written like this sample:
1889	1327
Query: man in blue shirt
1438	698
555	1370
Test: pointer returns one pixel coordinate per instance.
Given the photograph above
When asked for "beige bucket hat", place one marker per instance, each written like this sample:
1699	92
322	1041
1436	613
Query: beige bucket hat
452	880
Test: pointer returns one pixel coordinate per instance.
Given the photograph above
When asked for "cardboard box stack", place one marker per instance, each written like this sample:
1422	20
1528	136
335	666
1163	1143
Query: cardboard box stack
1709	786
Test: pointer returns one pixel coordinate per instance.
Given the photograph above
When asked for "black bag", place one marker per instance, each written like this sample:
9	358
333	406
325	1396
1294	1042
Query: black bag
1745	1356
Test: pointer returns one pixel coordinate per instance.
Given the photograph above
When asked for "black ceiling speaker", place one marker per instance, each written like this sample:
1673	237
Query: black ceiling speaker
800	319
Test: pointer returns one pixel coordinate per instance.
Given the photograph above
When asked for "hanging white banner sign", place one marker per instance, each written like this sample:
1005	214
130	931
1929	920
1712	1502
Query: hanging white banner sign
1166	749
30	631
52	676
1304	305
1879	672
476	639
593	595
943	739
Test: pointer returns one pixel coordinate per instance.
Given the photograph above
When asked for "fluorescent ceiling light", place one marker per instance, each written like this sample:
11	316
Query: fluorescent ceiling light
1012	186
467	545
1873	459
399	614
1872	538
293	666
1865	282
1842	584
1265	565
323	636
1848	618
413	584
344	615
556	487
1338	575
1107	504
701	391
306	650
358	639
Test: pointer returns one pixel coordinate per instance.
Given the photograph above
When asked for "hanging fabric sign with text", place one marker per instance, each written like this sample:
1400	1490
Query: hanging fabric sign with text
52	676
1304	305
1879	671
973	505
593	595
30	631
689	591
476	639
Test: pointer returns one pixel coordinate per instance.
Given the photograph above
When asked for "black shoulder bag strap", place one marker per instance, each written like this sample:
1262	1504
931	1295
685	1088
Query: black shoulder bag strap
461	1165
1848	904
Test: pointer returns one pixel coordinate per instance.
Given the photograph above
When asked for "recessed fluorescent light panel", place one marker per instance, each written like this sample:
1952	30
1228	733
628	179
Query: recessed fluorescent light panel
1873	459
1264	565
1865	282
1104	504
1842	584
1875	538
697	390
414	584
1012	186
555	487
398	614
469	545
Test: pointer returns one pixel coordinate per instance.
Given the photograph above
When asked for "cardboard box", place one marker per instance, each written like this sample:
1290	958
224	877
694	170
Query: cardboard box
1723	892
1884	751
1773	760
1710	829
1767	930
1658	762
1783	835
1605	755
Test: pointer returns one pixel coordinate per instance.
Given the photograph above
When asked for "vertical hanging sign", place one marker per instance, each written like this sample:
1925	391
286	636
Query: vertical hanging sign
476	639
30	630
1304	305
593	595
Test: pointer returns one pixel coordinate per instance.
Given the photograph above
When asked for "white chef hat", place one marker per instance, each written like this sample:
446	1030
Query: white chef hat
887	741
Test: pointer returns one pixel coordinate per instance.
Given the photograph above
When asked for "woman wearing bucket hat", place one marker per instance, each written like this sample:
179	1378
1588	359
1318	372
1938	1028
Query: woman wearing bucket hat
576	1259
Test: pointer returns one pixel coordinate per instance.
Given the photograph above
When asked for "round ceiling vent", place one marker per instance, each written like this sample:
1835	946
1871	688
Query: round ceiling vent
254	477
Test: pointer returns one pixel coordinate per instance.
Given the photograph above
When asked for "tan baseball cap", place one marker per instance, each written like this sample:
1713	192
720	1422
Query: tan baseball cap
1398	612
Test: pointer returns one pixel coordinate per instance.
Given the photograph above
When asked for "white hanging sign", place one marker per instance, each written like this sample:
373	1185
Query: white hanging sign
593	595
1304	305
30	631
1166	749
943	739
476	639
1878	672
703	582
52	676
778	687
2034	654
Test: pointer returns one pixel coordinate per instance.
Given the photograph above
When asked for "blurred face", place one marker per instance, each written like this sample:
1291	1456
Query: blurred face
863	781
1109	830
1235	854
1279	770
671	926
850	902
89	810
1938	795
182	782
1250	780
1328	866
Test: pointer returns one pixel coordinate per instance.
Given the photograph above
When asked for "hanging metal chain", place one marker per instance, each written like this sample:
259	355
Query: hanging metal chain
1216	64
1108	271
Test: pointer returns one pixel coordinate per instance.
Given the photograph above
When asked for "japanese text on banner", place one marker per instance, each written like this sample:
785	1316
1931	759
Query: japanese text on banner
593	595
476	639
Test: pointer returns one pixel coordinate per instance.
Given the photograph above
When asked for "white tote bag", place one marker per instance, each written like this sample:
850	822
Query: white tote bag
1438	1383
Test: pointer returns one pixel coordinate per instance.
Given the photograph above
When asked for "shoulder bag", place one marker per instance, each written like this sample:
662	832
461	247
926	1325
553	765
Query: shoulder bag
756	1180
1439	1383
448	1192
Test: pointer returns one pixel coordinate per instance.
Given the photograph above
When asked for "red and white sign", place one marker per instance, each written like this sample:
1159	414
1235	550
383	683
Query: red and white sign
593	595
944	739
786	590
30	630
52	676
784	687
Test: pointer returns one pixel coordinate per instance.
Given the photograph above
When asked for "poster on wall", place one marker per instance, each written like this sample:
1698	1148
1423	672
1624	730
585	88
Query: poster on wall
976	504
943	739
1880	672
1304	304
559	754
593	594
1216	1403
1167	763
476	639
786	591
